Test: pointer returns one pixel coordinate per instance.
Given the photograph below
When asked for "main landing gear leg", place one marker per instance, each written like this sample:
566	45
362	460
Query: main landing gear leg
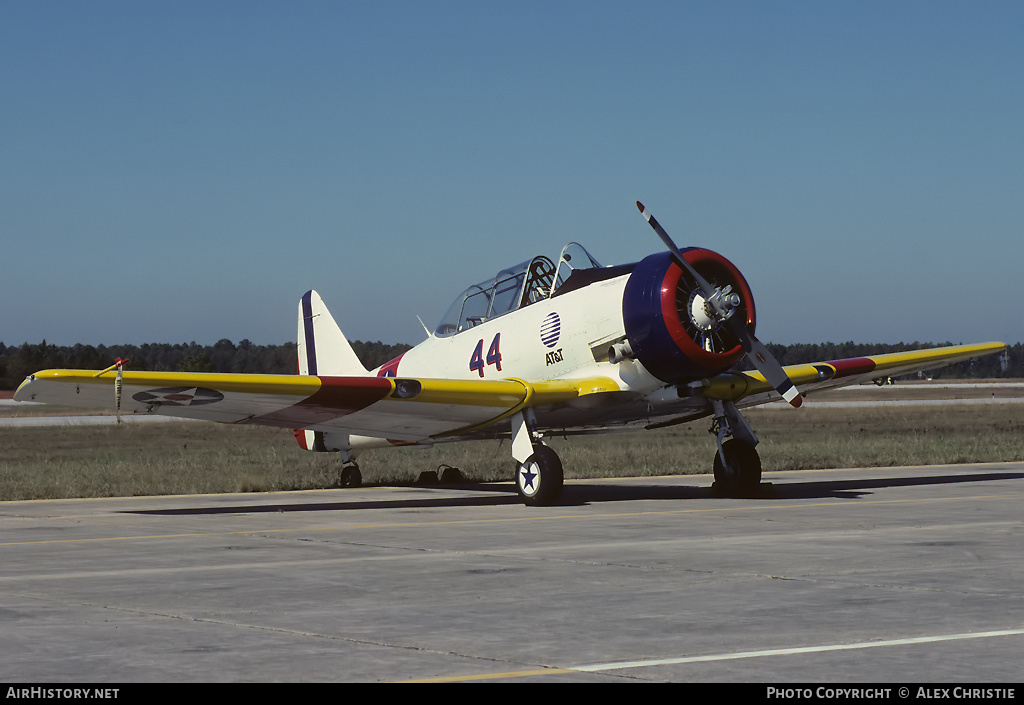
737	464
539	475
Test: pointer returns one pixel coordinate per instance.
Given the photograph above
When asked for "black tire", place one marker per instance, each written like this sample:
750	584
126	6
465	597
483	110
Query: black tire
745	477
539	480
350	476
450	475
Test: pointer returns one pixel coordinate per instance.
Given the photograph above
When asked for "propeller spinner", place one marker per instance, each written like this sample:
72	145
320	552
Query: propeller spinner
719	304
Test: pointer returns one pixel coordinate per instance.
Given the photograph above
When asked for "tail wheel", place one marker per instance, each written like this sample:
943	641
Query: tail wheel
741	476
539	480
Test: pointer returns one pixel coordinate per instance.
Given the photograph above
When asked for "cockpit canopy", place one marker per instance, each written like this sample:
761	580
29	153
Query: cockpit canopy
513	288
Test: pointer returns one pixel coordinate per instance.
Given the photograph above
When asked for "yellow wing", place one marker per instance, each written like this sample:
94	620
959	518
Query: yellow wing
751	387
416	410
383	407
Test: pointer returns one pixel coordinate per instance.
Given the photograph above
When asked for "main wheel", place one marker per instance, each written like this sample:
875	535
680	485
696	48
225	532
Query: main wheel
743	475
350	476
539	479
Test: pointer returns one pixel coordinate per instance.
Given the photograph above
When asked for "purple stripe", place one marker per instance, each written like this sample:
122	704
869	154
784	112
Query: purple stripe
307	323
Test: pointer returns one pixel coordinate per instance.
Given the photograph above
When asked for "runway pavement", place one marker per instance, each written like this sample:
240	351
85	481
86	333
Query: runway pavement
899	575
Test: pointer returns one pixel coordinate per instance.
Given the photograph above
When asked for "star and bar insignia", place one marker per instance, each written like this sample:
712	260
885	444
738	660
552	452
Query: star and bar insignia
178	396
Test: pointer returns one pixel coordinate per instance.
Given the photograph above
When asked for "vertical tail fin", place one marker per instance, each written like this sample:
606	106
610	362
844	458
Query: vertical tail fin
322	347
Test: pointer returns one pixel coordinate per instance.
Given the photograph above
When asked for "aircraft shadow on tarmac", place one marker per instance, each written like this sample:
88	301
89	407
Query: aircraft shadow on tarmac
839	489
579	494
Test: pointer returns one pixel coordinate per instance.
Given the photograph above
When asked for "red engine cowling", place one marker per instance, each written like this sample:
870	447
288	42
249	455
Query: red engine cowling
663	315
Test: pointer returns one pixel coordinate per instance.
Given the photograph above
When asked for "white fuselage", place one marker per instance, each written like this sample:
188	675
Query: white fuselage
562	337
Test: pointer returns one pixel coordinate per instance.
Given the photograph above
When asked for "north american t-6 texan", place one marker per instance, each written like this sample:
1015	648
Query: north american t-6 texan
542	348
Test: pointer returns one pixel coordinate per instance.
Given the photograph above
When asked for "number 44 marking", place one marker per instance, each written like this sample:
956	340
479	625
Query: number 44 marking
477	361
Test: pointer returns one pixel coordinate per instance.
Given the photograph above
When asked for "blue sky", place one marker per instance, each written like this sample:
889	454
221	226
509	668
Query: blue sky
184	171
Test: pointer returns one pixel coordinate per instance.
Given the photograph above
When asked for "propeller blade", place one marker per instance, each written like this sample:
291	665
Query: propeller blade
762	360
704	284
765	363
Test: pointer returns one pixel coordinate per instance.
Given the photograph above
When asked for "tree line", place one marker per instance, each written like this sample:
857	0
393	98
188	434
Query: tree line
17	362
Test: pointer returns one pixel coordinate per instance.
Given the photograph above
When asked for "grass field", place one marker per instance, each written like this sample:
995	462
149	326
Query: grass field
193	457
